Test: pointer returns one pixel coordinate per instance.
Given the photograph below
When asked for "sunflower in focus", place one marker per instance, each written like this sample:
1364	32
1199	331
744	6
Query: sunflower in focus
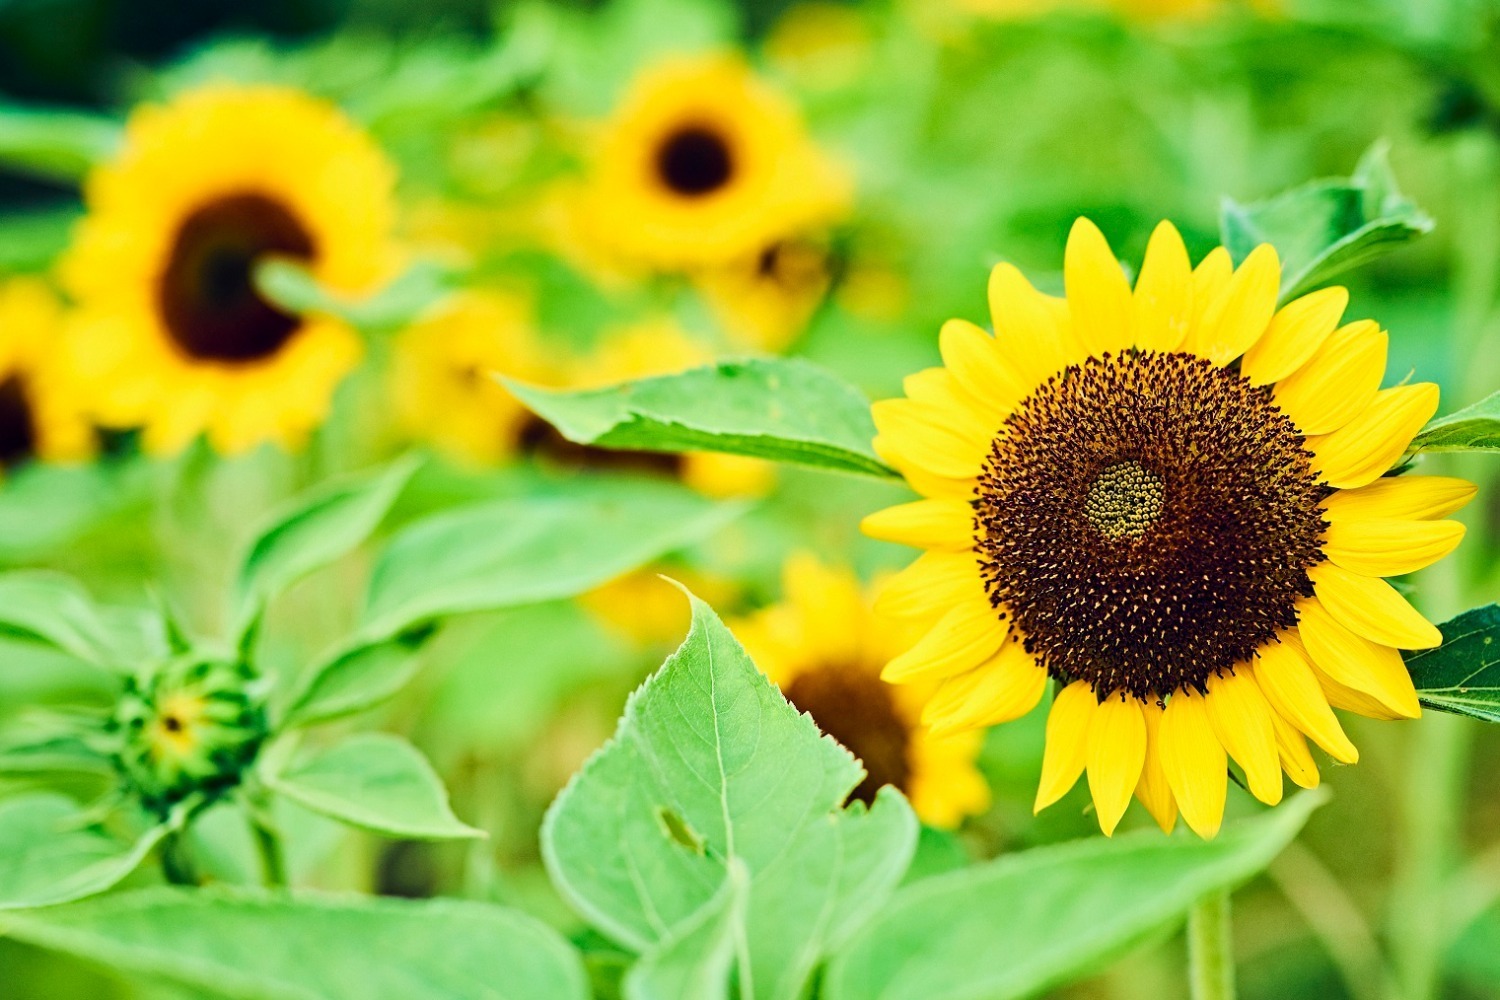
1178	502
442	376
704	164
173	335
833	674
42	410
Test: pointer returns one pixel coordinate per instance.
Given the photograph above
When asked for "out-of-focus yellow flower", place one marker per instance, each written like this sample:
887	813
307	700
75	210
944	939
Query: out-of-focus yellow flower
766	301
42	407
172	334
703	164
821	45
825	647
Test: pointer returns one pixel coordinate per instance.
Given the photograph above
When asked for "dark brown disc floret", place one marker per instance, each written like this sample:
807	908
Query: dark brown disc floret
1148	519
856	708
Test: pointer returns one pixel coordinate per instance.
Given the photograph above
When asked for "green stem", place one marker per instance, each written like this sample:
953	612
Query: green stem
272	856
1210	948
177	861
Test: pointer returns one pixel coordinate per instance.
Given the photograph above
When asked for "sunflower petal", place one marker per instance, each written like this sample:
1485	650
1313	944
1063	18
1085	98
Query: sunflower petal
1196	766
1289	684
1400	498
925	437
1372	608
924	524
1366	447
1390	548
1098	292
978	364
1354	662
1163	293
967	635
938	391
930	586
1291	749
1066	753
1004	687
1153	790
1026	326
1241	719
1239	316
1339	382
1116	757
1297	330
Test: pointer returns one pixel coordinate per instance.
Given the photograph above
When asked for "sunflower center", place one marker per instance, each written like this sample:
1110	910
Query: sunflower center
207	296
1148	520
539	439
17	426
856	708
694	161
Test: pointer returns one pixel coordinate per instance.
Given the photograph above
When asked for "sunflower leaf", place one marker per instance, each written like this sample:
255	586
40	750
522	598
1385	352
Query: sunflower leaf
258	946
55	610
1327	227
710	767
1473	428
48	855
697	958
781	409
1462	675
1015	927
55	144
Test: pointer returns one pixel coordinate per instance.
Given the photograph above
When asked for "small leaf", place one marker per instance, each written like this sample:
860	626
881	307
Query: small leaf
525	551
251	945
48	856
745	777
61	145
696	960
1326	227
781	409
355	679
1015	927
377	782
289	284
51	753
1462	675
313	531
54	609
1473	428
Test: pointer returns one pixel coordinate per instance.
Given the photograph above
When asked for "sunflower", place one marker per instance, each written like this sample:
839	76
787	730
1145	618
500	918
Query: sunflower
42	411
765	301
442	380
833	674
1179	503
173	335
703	164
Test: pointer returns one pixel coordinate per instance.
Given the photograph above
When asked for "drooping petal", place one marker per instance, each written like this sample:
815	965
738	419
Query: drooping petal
1116	757
1289	684
1242	721
1195	763
1338	383
924	524
1370	607
1400	498
1297	330
1004	687
1390	548
1153	790
1163	293
1291	749
1354	662
967	635
1238	318
1066	752
1098	292
1366	447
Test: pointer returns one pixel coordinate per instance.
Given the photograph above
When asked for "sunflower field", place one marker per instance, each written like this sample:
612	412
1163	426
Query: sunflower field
750	500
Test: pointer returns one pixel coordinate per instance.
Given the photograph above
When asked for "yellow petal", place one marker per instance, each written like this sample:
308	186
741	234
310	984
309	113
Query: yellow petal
967	635
1354	662
925	437
924	524
1366	447
1347	699
978	364
1400	498
1163	293
1370	607
924	482
930	586
1195	763
1390	548
1242	313
1338	383
1292	751
937	389
1289	684
1296	331
1153	790
1026	327
1004	687
1210	278
1098	292
1116	756
1242	721
1067	742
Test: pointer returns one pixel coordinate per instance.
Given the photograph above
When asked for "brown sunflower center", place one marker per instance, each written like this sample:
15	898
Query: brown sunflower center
207	296
694	161
856	708
539	439
17	426
1148	520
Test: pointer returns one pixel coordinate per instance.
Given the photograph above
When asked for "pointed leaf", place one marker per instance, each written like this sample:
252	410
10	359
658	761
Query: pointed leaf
55	609
47	856
1462	675
354	679
1473	428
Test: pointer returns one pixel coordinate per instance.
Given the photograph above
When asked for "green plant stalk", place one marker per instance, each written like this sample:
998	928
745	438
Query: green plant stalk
176	860
1211	948
272	855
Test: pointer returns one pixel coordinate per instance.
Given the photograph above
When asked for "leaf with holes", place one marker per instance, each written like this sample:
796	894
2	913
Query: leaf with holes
711	765
1462	675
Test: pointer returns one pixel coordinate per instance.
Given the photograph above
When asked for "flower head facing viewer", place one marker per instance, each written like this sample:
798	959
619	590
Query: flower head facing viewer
1173	500
173	334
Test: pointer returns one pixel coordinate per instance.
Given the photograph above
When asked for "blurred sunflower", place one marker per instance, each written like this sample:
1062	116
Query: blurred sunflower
442	376
42	410
173	334
704	164
833	674
1175	502
766	301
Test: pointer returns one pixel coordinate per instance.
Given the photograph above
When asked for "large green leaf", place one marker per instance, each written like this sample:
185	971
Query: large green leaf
62	145
312	532
1326	227
1017	926
711	765
48	854
1474	428
54	609
1463	674
525	551
377	782
696	959
256	946
776	408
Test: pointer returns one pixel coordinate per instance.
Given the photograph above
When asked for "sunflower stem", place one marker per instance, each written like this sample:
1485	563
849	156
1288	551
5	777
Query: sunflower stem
1210	948
272	856
176	860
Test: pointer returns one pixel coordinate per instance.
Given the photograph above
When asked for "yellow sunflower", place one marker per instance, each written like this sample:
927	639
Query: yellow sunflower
765	301
1174	501
833	674
442	375
42	412
173	335
703	164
